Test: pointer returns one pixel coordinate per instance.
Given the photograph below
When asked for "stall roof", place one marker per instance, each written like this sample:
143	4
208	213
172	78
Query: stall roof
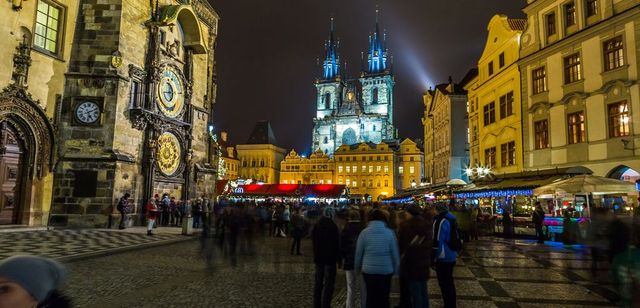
290	190
505	187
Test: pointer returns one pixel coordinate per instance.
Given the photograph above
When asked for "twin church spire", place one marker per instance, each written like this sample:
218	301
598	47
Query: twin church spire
377	54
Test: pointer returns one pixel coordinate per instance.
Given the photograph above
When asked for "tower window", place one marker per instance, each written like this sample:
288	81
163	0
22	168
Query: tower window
326	140
374	96
327	101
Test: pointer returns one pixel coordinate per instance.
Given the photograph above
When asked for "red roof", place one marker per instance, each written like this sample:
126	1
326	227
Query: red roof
290	190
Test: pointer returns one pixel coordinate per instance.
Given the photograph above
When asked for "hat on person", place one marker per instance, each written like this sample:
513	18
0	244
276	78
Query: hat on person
442	207
414	209
329	212
37	275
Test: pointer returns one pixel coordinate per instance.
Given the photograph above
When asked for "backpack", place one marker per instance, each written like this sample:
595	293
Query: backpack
122	205
455	240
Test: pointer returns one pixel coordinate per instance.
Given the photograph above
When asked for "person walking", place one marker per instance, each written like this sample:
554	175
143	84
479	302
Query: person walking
197	214
415	241
123	208
31	281
325	238
297	231
348	240
538	220
445	255
377	258
152	214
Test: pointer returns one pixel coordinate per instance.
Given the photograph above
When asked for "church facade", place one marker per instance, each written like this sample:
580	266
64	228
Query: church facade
354	110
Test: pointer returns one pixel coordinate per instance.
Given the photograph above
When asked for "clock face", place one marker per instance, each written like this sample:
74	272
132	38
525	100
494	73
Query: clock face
170	93
168	153
87	112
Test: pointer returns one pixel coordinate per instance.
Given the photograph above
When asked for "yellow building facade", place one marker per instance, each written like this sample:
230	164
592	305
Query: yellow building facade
410	162
367	169
495	130
36	43
260	157
315	169
581	99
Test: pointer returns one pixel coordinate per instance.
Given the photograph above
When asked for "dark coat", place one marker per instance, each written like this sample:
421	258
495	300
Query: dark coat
415	238
326	241
348	240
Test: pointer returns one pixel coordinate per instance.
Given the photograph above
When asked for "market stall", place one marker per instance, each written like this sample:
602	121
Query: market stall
570	202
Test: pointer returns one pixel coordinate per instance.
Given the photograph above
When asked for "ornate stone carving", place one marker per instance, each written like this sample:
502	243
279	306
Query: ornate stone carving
136	72
21	63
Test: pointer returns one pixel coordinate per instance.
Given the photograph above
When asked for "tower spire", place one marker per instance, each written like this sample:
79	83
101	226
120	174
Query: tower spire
331	64
377	58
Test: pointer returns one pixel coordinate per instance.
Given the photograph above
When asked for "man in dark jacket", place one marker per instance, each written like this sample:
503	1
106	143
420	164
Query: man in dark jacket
538	219
326	255
123	208
348	240
415	241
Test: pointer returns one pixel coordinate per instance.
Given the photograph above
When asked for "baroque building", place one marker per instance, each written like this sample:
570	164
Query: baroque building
37	41
495	129
137	103
445	132
260	157
410	162
351	111
579	79
315	169
367	169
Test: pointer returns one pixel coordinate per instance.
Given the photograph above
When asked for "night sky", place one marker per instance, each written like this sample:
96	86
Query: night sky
267	52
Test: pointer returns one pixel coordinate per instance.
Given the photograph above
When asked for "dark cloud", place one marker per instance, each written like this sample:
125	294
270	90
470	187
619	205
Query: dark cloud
267	51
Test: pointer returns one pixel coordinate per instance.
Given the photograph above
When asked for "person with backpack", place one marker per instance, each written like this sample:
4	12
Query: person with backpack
123	208
415	238
446	244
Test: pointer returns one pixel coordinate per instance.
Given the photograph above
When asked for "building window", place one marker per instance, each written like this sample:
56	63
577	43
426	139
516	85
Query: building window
134	94
326	140
327	101
490	68
490	157
348	169
374	96
591	7
412	169
364	168
411	158
354	183
386	169
262	163
542	134
48	30
253	163
613	53
489	111
619	120
572	69
348	182
386	183
551	24
506	105
570	14
539	78
285	182
501	60
400	170
508	153
370	169
370	183
576	127
339	169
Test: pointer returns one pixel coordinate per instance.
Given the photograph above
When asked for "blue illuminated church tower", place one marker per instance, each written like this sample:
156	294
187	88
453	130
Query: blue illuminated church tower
351	111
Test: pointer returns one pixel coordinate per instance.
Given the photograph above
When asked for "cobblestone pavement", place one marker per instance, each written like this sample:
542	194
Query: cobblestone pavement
490	273
69	244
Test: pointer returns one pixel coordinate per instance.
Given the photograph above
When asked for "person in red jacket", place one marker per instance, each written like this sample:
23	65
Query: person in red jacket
152	212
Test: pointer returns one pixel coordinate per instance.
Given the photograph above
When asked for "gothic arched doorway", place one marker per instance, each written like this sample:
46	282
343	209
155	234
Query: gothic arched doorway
26	144
11	174
624	173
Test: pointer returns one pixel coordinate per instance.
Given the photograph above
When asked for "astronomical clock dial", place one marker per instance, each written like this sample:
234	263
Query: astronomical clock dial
168	153
170	93
87	112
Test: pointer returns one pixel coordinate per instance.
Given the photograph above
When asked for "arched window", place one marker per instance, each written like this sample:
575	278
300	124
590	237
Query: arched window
262	163
374	96
253	163
326	140
327	101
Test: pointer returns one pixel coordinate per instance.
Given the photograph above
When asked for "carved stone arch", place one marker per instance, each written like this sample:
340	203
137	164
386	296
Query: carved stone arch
33	126
610	85
184	14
